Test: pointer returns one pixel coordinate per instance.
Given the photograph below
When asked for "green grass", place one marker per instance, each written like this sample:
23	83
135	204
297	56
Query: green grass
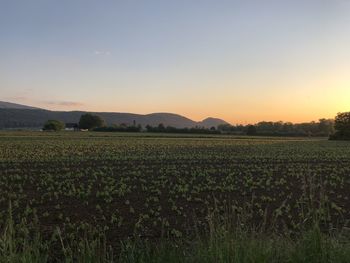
224	242
312	246
221	246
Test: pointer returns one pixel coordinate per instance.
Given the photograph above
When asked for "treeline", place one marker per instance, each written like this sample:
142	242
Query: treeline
119	128
157	129
169	129
324	127
337	129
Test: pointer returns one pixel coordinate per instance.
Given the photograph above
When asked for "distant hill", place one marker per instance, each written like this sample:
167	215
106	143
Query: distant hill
20	116
211	122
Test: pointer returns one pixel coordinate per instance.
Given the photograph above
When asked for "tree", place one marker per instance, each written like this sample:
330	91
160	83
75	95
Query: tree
161	127
53	125
342	122
342	126
90	121
251	130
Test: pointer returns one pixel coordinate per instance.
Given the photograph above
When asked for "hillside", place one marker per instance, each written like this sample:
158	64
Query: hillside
211	122
21	116
10	105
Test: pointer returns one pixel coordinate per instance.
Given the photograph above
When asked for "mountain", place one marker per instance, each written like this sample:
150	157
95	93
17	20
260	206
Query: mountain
9	105
211	122
168	119
20	116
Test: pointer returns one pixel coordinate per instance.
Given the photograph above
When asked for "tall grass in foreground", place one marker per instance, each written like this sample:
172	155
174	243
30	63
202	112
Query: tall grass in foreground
222	243
226	244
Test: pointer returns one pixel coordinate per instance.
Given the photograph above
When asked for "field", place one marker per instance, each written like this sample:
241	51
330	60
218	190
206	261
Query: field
168	186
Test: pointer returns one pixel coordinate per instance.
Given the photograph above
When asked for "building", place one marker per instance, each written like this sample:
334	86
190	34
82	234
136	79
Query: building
71	127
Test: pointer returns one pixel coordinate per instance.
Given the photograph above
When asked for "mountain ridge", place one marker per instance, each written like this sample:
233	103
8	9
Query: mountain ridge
11	105
13	115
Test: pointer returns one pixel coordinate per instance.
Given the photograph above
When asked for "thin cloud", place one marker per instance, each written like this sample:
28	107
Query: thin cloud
102	53
64	103
16	98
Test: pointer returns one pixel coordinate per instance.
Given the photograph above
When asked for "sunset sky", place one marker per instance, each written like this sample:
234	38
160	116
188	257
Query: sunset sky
243	61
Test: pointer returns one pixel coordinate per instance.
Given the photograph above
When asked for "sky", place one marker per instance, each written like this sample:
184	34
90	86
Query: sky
242	61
